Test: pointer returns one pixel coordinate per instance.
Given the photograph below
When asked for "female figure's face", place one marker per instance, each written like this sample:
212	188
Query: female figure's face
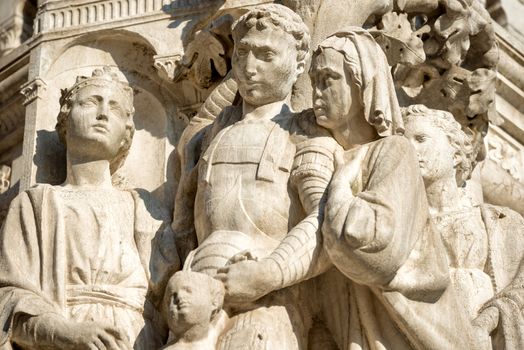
436	156
333	94
97	122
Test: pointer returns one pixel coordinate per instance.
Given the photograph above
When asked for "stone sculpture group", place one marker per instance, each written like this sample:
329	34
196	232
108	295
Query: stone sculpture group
345	226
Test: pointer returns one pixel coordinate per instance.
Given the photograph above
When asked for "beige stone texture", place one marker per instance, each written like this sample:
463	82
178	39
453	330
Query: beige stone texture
261	174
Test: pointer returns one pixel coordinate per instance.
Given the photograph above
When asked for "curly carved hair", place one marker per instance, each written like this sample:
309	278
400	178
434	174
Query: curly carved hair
100	77
458	138
278	16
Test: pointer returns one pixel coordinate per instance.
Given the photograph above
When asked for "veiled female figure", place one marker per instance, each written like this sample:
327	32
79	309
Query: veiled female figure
484	244
395	285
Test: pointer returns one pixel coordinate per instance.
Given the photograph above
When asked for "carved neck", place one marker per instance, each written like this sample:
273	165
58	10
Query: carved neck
357	131
195	333
267	111
94	174
444	196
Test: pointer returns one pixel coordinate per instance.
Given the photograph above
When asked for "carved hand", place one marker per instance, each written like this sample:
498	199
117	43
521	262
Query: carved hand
488	319
484	324
347	172
342	188
58	333
248	280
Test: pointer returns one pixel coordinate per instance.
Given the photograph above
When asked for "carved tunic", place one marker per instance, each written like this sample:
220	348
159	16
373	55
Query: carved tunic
87	256
233	193
105	279
466	242
250	187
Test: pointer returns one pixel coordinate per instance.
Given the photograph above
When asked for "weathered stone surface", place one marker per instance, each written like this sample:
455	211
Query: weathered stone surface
341	174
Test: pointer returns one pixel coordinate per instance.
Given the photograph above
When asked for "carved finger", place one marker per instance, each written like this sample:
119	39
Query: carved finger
124	345
98	344
221	276
109	341
119	335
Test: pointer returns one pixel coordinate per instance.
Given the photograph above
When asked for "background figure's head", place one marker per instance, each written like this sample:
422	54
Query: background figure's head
271	50
191	299
96	118
351	79
443	149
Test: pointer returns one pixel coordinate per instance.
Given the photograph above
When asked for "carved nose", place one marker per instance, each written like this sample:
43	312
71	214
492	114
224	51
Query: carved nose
102	112
251	65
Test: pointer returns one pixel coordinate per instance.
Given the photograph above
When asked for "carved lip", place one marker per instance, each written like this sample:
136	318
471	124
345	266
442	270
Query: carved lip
182	305
251	85
101	127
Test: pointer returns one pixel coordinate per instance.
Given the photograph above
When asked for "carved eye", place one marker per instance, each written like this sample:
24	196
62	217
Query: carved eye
421	138
268	55
241	52
117	108
88	103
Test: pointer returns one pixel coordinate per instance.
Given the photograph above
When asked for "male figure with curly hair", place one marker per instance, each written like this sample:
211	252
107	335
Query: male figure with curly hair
263	171
83	263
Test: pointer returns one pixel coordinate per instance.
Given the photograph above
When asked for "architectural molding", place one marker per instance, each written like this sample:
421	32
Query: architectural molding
33	90
165	65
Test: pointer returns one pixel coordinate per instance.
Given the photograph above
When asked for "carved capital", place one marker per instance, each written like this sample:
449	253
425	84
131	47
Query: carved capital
5	177
165	65
33	90
11	34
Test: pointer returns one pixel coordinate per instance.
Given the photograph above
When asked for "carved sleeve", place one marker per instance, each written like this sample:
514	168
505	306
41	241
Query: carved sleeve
300	255
21	288
378	231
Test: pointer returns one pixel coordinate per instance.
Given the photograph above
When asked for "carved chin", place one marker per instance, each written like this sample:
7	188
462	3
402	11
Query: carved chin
321	118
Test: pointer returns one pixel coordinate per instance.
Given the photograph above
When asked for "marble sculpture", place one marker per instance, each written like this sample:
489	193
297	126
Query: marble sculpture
343	226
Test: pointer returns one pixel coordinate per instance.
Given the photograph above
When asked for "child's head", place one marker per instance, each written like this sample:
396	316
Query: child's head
191	298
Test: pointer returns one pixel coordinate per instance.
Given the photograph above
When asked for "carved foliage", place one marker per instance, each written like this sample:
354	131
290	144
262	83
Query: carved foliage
457	41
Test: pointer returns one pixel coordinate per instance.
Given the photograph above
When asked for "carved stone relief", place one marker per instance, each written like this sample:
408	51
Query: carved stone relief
318	159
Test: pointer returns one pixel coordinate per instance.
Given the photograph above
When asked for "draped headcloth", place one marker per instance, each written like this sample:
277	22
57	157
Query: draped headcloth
369	70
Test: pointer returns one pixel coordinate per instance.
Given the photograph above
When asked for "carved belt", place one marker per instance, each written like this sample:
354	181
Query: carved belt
124	297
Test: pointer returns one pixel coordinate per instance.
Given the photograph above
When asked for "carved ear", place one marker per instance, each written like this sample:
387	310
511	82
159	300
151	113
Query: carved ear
456	159
214	313
301	67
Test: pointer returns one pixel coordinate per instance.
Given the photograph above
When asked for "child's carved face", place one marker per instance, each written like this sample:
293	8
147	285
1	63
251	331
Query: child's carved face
191	299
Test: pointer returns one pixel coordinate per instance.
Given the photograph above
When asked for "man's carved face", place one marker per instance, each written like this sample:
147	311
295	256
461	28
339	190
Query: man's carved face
436	156
265	65
97	122
332	93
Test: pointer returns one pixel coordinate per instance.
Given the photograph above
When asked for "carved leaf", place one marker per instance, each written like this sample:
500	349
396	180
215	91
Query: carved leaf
204	56
481	84
400	43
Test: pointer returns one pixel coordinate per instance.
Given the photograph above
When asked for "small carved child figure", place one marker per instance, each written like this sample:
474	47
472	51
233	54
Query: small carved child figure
192	307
